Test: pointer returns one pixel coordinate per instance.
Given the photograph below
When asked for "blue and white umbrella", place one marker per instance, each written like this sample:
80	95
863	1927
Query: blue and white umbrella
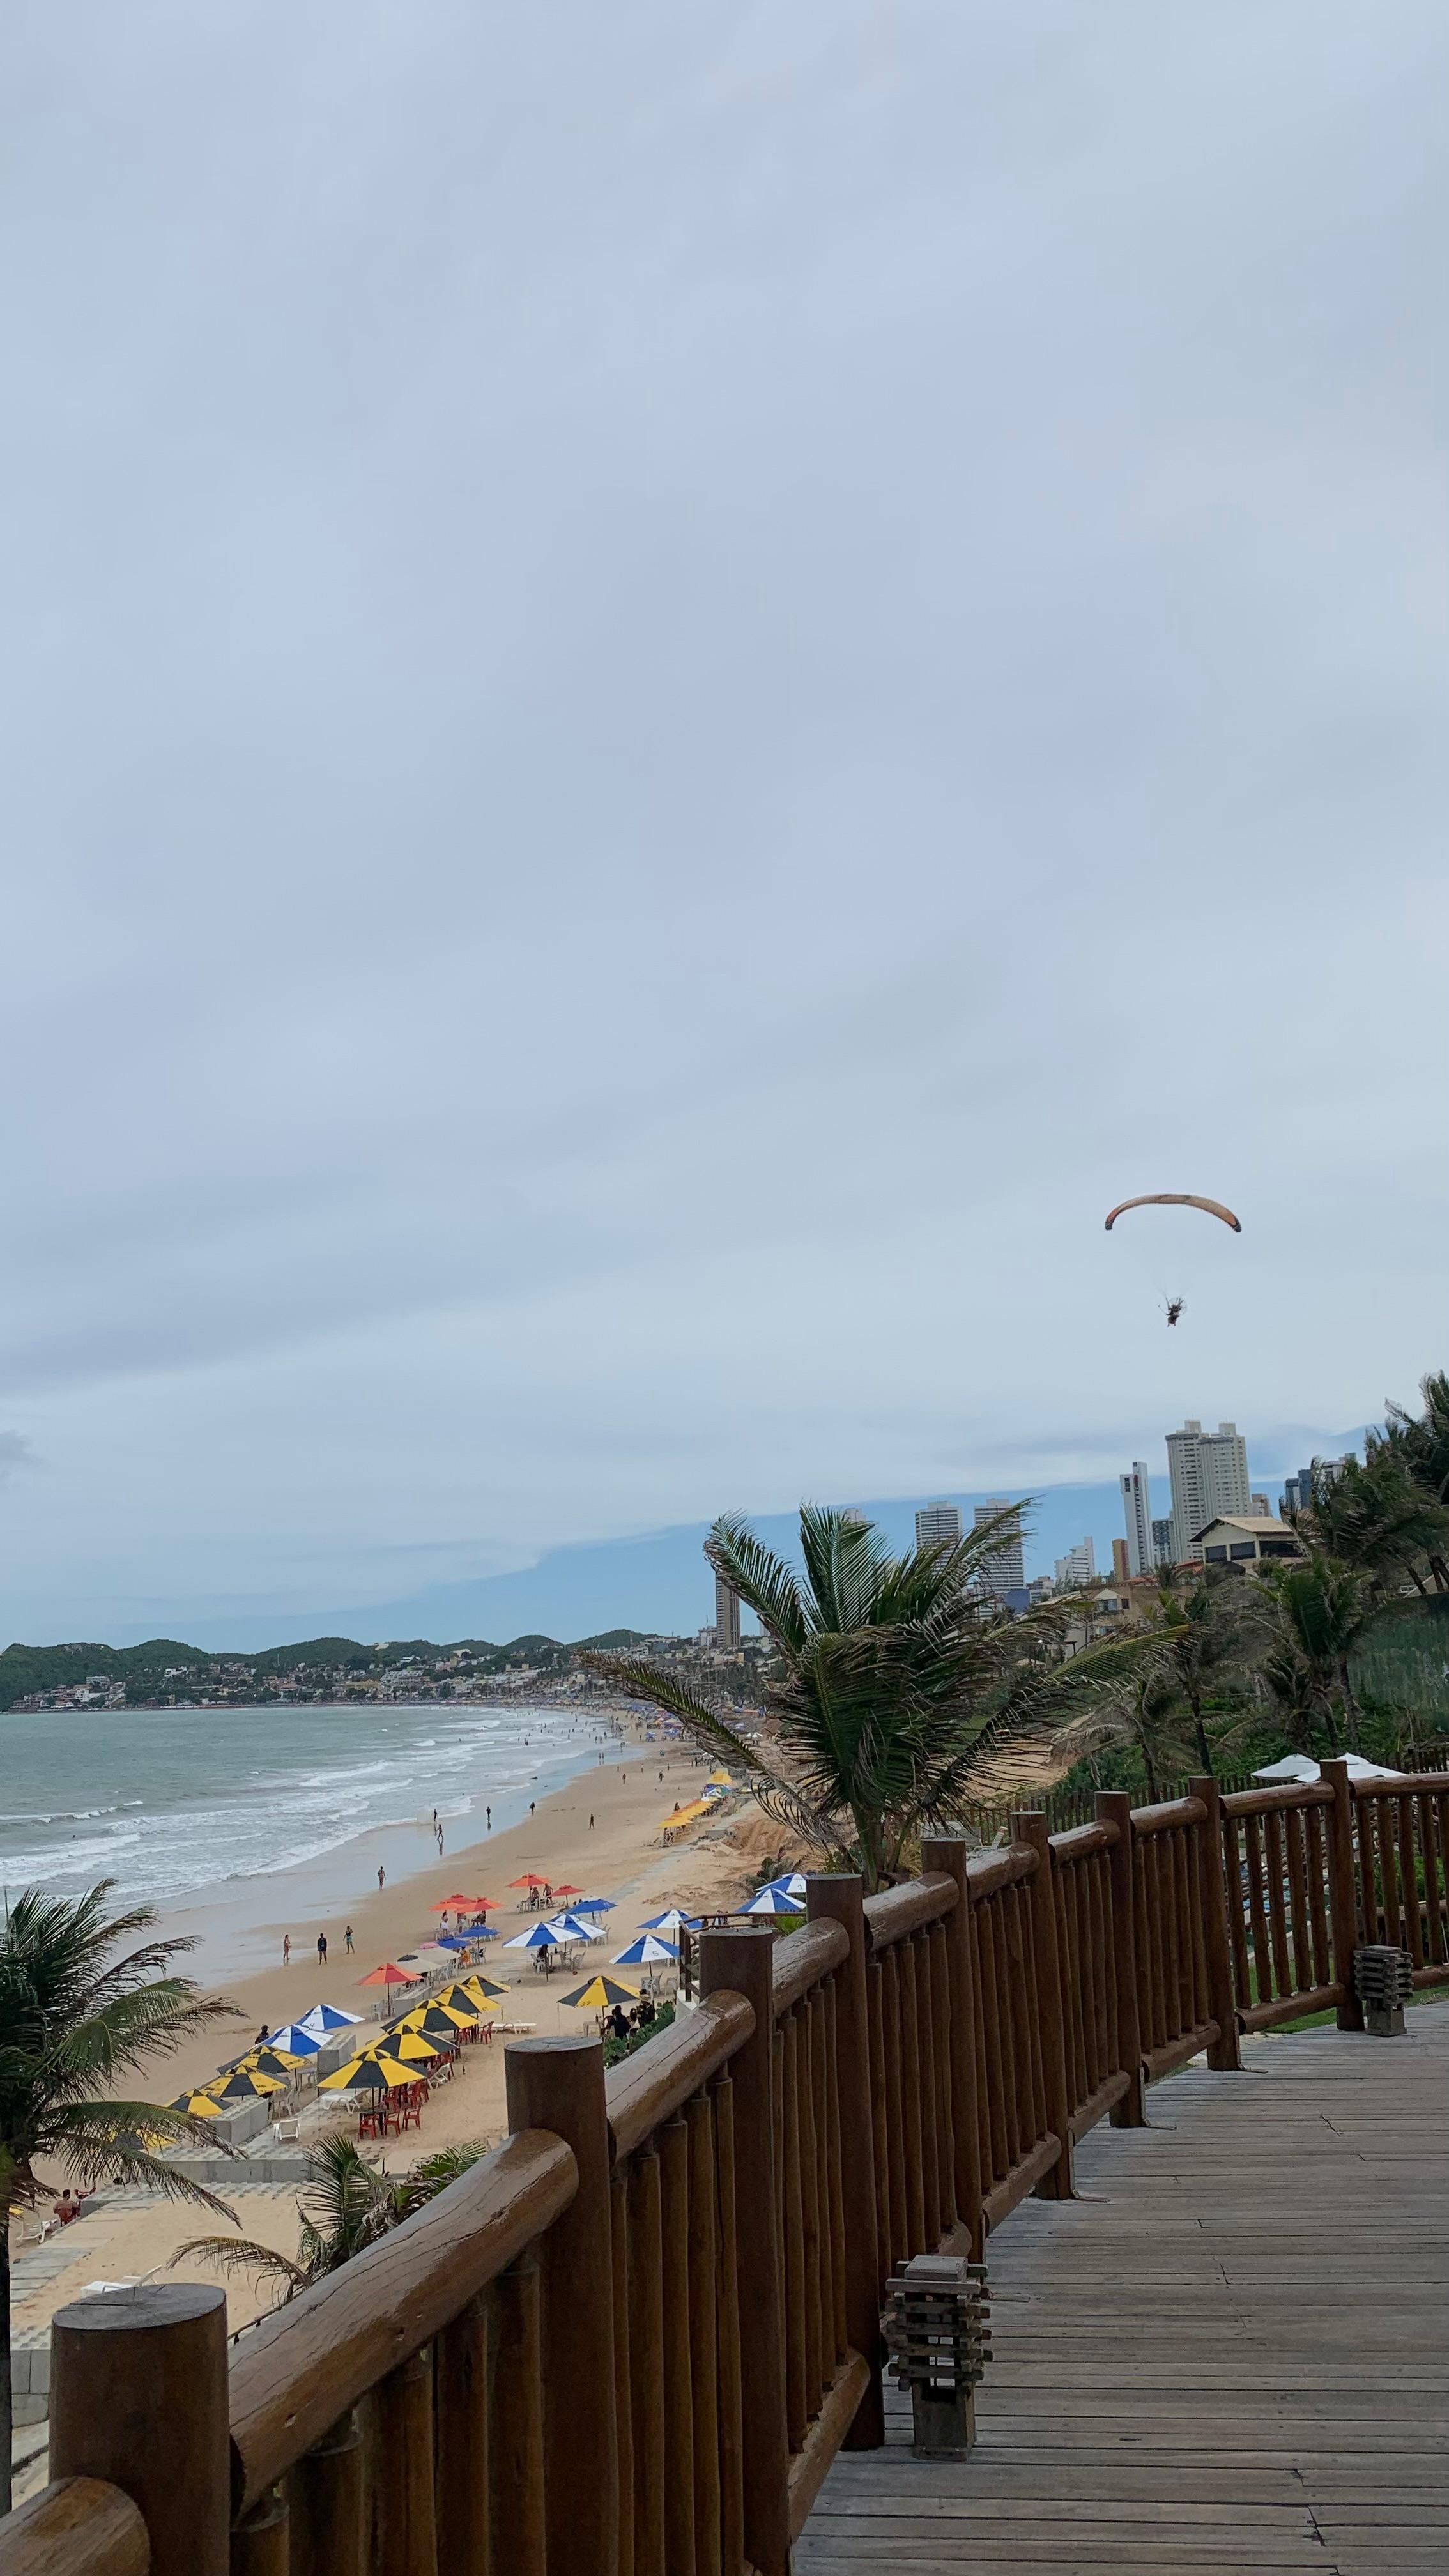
792	1884
294	2041
539	1936
462	1940
326	2017
772	1900
593	1905
647	1952
673	1921
574	1928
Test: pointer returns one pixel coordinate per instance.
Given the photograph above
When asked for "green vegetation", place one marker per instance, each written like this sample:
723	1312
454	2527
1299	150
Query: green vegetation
164	1671
346	2205
74	2015
617	2049
894	1681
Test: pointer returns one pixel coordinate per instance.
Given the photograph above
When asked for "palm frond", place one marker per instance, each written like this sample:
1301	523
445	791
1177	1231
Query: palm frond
763	1580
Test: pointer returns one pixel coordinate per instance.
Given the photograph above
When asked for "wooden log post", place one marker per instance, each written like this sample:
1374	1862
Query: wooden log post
839	1898
1224	2054
1114	1807
558	2084
1029	1825
261	2543
516	2538
138	2397
949	1853
1342	1894
741	1961
324	2493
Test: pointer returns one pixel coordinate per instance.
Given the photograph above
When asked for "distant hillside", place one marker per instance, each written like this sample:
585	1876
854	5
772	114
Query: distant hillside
166	1669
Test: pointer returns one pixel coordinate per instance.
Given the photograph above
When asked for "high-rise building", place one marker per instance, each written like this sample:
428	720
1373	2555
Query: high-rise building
1121	1561
938	1525
1262	1509
1002	1571
1209	1473
1137	1513
726	1616
1077	1567
1162	1542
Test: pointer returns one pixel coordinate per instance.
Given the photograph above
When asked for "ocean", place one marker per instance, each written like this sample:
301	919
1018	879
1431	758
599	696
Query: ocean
199	1808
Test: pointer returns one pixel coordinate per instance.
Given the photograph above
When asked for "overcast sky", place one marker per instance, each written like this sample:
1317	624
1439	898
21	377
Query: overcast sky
679	682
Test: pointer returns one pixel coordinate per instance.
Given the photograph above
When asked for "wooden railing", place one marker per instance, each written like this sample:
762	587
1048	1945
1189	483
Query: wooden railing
631	2339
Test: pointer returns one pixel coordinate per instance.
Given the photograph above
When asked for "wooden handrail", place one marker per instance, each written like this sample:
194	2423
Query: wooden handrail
987	1872
80	2525
1168	1818
1265	1802
893	1913
803	1959
636	2334
310	2361
1080	1841
649	2087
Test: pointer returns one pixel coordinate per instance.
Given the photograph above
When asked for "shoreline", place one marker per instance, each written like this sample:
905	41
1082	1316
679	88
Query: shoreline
617	1855
238	1926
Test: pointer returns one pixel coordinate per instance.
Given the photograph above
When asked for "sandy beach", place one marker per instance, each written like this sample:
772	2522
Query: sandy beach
599	1833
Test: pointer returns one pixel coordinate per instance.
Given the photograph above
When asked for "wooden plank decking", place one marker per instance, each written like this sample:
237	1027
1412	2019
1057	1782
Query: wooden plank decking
1230	2352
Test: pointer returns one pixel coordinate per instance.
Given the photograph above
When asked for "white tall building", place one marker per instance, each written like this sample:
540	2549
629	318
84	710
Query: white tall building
938	1525
1137	1513
1209	1472
726	1616
1077	1567
1003	1570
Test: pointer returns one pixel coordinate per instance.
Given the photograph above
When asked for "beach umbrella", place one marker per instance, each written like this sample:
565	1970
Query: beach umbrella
600	1995
539	1936
433	2021
772	1901
269	2061
409	2045
646	1952
673	1921
243	2086
389	1975
721	1779
792	1884
593	1905
567	1891
530	1878
293	2041
202	2106
367	2074
574	1927
326	2017
482	1989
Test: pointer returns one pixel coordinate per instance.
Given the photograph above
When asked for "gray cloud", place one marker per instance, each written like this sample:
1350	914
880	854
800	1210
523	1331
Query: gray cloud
676	689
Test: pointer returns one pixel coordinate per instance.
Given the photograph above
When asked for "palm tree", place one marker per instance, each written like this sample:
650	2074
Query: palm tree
1199	1629
1319	1612
1421	1442
895	1679
75	2016
347	2204
1137	1712
1377	1515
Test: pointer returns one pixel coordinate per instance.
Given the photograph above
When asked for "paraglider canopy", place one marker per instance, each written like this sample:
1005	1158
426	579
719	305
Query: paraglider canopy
1176	1198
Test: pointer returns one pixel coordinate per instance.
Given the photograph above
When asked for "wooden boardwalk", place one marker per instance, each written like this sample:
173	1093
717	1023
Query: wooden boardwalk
1230	2352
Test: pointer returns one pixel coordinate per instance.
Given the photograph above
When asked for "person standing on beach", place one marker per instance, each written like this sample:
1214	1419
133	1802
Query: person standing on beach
321	1949
381	1875
286	1949
591	1824
488	1812
347	1939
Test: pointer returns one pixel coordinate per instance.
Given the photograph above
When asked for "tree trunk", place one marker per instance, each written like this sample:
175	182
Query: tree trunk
1204	1750
7	2403
1350	1706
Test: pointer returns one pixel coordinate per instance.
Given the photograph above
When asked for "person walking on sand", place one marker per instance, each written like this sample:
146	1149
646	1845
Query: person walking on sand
381	1875
488	1812
347	1940
286	1949
591	1824
321	1949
